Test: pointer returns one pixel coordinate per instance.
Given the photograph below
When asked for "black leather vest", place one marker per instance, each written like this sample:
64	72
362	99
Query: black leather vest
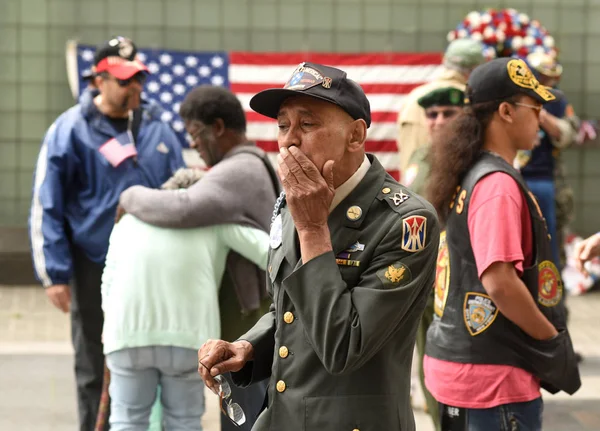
468	327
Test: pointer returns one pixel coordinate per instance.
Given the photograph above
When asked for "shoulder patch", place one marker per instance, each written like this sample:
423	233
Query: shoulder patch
394	275
414	233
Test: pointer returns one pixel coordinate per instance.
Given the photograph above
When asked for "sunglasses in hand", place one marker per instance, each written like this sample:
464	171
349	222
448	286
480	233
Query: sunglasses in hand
230	409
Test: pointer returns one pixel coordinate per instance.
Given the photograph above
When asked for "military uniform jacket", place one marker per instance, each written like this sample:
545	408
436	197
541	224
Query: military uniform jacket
469	328
338	341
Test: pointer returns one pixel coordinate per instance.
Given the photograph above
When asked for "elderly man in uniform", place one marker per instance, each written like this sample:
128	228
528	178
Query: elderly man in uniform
351	263
460	58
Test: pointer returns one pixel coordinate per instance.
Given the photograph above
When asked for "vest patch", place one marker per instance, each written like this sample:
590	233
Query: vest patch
394	275
414	230
442	276
550	287
479	312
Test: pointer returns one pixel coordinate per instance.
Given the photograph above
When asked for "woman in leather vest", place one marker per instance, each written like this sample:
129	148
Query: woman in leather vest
499	331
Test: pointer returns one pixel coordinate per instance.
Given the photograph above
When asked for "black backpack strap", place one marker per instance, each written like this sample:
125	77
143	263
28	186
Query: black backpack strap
136	122
270	170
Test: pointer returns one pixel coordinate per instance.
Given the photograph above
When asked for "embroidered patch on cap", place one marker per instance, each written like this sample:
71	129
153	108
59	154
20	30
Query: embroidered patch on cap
305	77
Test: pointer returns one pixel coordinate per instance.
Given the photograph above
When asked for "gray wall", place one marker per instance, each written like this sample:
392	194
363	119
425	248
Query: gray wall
34	90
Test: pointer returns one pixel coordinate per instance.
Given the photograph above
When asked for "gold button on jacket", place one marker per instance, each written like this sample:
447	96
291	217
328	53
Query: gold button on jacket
283	352
288	317
280	386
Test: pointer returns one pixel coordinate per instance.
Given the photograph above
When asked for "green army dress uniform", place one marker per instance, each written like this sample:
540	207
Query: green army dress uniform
337	342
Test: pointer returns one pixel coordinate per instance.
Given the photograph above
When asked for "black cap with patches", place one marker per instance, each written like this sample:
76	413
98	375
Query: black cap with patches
502	78
321	82
117	56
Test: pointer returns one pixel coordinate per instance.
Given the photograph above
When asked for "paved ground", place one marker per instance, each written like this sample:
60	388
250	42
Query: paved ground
37	385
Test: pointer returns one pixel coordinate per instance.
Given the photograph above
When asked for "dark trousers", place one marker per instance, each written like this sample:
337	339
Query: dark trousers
525	416
87	320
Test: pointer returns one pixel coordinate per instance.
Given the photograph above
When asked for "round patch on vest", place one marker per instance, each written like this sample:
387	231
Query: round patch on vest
550	287
410	174
479	312
442	276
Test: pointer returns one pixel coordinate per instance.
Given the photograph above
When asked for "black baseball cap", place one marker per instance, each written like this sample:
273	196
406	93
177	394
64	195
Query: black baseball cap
118	56
318	81
502	78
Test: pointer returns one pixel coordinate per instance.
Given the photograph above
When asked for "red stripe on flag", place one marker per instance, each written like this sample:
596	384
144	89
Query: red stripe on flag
242	87
370	146
294	58
376	117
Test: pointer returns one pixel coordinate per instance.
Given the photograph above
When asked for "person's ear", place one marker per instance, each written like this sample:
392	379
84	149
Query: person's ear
506	112
218	127
358	135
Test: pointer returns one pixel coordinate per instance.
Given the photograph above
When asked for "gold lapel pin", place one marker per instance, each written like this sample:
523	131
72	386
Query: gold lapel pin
354	213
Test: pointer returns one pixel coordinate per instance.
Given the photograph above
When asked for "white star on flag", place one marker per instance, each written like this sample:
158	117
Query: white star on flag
191	61
166	79
176	107
191	80
179	89
166	59
153	67
87	55
178	126
166	97
216	61
204	71
166	116
153	87
141	56
179	70
217	80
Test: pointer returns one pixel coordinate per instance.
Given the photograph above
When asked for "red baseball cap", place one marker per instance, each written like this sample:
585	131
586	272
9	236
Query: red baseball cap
118	57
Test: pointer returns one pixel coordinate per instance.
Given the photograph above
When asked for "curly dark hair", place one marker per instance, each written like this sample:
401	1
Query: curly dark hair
207	103
454	153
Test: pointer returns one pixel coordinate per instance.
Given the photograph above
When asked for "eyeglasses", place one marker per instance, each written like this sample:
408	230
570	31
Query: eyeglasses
537	108
446	113
138	77
232	410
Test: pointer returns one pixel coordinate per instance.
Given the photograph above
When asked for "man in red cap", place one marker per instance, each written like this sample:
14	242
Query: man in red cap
111	140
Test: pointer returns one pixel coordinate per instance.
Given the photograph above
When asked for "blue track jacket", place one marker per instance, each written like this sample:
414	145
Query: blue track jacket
76	190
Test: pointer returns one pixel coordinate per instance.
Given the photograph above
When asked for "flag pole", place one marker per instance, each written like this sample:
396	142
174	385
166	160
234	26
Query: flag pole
72	70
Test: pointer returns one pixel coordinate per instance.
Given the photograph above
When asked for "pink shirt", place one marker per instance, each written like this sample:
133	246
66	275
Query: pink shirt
500	231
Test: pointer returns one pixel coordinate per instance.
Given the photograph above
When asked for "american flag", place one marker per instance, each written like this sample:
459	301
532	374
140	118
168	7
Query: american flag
385	77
